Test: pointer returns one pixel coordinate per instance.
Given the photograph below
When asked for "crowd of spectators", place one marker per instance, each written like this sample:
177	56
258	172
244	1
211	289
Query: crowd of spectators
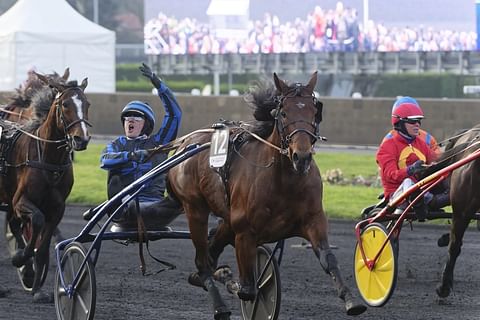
322	30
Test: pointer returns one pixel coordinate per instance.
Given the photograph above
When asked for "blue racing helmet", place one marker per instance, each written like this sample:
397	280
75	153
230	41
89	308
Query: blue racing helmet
142	109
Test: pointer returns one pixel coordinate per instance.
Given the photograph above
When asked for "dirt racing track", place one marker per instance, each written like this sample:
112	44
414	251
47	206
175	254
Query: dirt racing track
307	292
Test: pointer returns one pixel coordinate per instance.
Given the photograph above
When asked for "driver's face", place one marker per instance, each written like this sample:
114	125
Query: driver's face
133	126
413	129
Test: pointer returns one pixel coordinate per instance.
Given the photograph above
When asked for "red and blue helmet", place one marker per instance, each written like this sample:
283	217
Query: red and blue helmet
406	108
142	109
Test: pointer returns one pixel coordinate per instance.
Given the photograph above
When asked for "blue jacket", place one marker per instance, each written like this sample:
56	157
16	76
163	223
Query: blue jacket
114	157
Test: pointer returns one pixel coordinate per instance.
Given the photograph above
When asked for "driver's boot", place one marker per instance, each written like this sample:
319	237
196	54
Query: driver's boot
420	207
439	201
420	210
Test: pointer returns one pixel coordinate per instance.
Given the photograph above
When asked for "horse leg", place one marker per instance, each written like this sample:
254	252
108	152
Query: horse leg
25	207
41	261
15	226
317	235
222	237
459	225
198	223
246	253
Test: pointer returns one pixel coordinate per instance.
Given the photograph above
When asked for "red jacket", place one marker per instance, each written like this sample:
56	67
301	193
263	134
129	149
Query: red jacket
395	154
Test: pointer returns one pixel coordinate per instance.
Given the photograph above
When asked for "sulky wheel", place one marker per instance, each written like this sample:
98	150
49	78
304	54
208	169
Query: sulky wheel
377	285
26	273
81	306
267	302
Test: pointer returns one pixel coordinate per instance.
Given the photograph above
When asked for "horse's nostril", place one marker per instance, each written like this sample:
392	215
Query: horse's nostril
80	142
304	156
81	139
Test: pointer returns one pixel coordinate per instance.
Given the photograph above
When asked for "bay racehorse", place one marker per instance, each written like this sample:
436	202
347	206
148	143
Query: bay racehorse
464	197
20	108
39	173
271	190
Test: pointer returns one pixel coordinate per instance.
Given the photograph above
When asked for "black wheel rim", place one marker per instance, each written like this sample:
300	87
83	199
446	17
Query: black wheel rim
267	302
82	305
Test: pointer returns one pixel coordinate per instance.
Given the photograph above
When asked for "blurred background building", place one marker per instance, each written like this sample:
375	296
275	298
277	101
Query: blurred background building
344	40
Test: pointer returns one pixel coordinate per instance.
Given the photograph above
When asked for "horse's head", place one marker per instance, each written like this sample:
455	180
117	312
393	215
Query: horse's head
297	117
71	111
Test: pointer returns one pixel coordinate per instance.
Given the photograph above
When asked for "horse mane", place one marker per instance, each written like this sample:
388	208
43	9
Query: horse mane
261	98
41	102
24	94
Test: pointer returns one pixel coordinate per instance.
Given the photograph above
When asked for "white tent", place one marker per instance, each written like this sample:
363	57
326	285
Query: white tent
48	36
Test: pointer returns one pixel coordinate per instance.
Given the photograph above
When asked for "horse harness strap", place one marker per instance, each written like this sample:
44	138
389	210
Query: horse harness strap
236	142
6	144
7	141
268	143
143	237
48	166
286	139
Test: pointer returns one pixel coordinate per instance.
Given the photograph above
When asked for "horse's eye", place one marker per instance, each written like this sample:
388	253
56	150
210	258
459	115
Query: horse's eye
283	114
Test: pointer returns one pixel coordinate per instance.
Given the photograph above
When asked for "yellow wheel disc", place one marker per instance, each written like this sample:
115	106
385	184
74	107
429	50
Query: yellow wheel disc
376	285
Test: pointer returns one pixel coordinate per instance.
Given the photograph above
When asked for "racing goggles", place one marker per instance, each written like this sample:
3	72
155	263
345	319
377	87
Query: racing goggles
412	120
133	118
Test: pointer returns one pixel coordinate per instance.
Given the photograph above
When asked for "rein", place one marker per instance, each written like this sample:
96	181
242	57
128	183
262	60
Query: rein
458	152
177	142
31	135
450	139
280	150
19	114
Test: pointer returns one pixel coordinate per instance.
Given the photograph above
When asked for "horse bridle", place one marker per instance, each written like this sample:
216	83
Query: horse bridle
286	139
60	115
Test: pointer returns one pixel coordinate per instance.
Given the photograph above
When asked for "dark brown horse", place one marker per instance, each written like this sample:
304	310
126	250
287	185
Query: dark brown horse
272	190
20	109
39	174
464	197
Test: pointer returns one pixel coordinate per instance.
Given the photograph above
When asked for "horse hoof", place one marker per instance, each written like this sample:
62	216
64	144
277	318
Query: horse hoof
194	280
222	313
444	240
18	258
246	293
223	274
354	309
442	291
42	297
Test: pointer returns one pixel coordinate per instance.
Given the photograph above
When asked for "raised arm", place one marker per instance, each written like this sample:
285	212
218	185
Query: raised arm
173	114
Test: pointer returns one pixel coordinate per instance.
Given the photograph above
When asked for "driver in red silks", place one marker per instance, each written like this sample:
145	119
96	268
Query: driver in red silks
403	153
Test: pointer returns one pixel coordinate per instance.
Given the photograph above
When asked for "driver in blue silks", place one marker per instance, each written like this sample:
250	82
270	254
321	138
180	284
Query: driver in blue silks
127	158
